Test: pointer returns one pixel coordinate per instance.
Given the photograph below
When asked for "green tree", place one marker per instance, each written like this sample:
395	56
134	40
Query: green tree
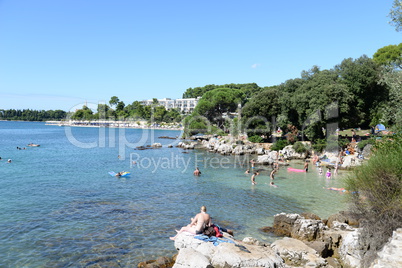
389	55
361	77
396	15
259	112
391	110
215	103
114	101
102	111
83	114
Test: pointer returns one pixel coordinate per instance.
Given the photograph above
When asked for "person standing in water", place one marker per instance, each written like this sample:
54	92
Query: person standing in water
306	166
328	174
272	175
253	178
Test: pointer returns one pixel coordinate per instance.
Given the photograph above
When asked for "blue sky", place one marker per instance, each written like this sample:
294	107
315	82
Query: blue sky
61	54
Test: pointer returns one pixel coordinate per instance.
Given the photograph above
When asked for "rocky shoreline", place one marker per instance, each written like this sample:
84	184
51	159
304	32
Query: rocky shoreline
308	241
265	156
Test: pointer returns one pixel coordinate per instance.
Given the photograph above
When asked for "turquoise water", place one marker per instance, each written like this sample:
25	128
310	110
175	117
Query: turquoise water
60	207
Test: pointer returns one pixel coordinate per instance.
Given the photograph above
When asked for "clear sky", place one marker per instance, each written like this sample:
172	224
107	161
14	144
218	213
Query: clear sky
56	54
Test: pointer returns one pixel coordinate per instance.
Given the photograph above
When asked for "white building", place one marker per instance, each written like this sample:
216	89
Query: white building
183	105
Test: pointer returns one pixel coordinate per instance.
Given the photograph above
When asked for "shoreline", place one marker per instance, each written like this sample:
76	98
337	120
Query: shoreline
110	124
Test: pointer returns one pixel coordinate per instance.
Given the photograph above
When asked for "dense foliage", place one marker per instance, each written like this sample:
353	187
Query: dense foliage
134	111
357	93
32	115
248	89
376	189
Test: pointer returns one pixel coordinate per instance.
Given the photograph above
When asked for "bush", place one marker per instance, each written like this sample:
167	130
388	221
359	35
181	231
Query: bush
319	145
377	198
256	139
299	147
279	145
362	144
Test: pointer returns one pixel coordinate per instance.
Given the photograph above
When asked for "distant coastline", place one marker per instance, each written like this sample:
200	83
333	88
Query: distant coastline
116	124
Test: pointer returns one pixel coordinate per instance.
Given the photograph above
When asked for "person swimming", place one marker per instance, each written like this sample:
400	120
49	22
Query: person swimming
343	190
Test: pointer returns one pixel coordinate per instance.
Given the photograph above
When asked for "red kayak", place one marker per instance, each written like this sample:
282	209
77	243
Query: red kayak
295	170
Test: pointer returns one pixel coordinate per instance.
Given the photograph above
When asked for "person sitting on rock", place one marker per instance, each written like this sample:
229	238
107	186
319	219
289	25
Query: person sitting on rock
197	224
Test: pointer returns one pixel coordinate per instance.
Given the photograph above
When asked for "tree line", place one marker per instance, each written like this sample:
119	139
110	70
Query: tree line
32	115
117	110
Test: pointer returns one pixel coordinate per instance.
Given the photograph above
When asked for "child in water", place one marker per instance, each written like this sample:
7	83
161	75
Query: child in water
328	174
320	170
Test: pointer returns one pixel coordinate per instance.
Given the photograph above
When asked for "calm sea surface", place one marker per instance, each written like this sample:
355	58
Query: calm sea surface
60	207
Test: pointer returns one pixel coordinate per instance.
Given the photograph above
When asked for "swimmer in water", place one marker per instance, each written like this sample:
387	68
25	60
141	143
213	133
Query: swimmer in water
343	190
272	184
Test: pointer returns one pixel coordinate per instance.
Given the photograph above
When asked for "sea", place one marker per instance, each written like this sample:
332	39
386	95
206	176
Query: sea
60	207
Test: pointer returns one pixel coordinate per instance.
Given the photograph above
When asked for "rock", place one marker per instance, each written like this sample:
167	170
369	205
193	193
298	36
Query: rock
189	257
289	153
338	217
264	159
367	150
333	240
197	252
320	247
224	149
230	255
283	223
350	161
309	215
252	241
352	219
156	145
391	253
238	150
164	262
341	226
296	253
267	229
349	250
260	151
343	217
308	230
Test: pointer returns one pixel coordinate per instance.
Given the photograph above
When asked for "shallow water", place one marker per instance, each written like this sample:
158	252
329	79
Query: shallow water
61	208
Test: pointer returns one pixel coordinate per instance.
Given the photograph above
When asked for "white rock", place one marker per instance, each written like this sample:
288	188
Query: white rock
289	153
189	257
348	250
307	229
391	254
297	253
